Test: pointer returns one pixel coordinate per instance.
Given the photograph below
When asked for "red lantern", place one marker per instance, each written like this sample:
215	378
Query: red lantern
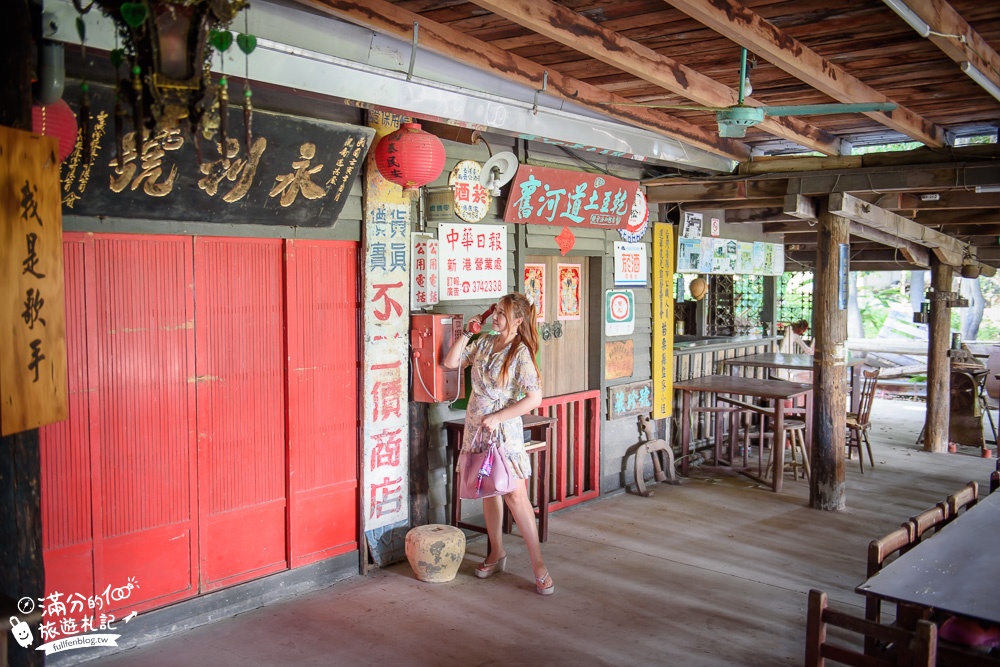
56	120
410	157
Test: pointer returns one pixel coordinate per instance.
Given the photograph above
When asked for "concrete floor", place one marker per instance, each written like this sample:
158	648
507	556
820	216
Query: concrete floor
712	572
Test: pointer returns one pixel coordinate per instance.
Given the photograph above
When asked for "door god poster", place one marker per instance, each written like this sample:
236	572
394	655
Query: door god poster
569	292
534	287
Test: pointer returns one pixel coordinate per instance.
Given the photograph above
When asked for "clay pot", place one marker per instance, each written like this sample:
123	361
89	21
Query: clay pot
435	551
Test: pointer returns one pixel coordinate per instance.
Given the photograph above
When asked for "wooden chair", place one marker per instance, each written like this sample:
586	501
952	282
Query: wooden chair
909	648
963	500
858	423
880	551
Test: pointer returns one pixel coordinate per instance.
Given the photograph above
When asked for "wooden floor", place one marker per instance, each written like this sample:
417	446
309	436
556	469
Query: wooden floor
712	572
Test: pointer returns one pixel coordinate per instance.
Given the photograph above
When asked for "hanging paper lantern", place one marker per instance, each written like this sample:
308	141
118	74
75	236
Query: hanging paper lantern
410	157
56	120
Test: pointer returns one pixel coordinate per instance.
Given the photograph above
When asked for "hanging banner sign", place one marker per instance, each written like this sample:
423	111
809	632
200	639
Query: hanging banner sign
473	261
296	172
544	196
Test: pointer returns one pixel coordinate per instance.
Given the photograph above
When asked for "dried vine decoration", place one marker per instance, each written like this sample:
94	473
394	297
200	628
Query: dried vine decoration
222	40
81	30
247	44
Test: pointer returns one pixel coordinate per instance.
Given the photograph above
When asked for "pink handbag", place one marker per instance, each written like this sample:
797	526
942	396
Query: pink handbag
486	473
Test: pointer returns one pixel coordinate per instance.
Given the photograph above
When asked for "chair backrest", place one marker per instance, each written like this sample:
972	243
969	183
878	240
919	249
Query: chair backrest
897	542
929	520
867	395
962	500
917	648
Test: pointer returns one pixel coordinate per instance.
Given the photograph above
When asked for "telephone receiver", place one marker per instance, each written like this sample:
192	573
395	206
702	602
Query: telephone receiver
476	327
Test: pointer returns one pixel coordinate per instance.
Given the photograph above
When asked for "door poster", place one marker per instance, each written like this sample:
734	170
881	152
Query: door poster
534	287
569	292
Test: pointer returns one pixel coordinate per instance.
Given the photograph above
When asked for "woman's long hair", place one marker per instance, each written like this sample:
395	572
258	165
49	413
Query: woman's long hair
513	306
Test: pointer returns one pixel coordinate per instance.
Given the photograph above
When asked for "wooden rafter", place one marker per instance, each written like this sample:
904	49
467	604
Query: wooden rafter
586	36
956	38
743	26
393	20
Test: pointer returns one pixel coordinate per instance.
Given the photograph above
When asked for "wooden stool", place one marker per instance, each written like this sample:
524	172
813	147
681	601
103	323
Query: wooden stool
652	447
795	438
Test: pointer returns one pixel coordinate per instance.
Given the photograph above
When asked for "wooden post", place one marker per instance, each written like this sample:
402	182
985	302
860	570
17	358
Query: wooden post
938	366
22	571
826	487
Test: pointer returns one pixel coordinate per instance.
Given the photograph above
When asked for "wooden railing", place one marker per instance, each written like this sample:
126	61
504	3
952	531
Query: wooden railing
574	447
703	359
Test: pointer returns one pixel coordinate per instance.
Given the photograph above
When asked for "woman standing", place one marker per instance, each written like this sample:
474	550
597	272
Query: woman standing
505	385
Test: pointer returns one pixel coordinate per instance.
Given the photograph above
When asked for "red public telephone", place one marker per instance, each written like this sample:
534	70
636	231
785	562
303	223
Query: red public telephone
476	327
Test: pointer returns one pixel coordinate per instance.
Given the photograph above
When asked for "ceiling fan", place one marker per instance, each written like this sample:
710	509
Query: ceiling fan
734	120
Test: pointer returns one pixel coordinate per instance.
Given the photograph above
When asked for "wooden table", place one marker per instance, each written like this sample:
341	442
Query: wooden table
538	428
799	362
777	390
953	571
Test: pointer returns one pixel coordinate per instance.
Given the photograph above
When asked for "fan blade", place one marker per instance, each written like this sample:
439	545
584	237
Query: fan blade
826	109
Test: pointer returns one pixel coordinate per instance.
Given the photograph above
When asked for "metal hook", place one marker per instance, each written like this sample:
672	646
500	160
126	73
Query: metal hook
413	51
545	84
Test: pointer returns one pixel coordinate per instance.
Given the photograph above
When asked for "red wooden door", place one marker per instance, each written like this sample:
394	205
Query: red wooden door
67	507
323	306
121	466
239	322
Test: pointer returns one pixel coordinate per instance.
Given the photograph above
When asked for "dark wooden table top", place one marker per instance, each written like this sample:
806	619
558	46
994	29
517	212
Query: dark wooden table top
953	570
739	386
803	362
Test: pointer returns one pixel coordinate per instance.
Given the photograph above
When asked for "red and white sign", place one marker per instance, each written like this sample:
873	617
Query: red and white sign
630	264
546	196
638	220
424	275
473	261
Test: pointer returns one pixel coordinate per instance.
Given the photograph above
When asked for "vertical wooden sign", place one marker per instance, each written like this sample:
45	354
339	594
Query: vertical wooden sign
663	320
32	302
385	476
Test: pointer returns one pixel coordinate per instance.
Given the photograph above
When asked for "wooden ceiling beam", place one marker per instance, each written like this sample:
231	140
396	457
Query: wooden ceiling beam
390	19
691	191
984	216
747	28
574	30
945	21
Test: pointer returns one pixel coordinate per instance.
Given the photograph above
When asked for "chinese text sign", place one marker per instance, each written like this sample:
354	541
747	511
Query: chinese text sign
473	261
546	196
33	342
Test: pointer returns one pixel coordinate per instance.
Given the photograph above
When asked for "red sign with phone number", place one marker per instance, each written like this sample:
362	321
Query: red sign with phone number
545	196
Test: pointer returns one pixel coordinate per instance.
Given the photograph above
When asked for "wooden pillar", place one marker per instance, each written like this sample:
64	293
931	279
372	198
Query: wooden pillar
22	571
826	487
938	365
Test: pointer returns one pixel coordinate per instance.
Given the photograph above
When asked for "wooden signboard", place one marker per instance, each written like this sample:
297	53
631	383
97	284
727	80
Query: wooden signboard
566	198
619	359
634	398
296	173
33	328
663	320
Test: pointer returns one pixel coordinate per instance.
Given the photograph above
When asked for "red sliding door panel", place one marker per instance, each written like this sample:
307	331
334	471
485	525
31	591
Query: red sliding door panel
323	322
241	408
142	417
67	514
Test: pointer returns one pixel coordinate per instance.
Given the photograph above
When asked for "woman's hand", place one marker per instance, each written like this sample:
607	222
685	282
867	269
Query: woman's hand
492	422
